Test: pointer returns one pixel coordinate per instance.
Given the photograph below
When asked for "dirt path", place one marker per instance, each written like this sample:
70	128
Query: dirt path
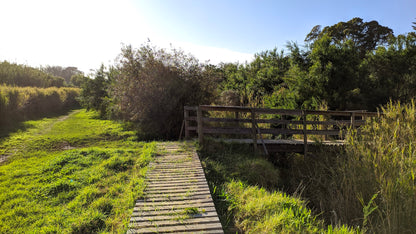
4	157
177	198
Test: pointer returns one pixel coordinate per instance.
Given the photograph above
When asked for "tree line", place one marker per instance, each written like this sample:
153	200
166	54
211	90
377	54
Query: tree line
13	74
350	65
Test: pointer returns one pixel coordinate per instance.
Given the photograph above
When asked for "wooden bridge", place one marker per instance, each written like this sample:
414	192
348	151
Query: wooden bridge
275	130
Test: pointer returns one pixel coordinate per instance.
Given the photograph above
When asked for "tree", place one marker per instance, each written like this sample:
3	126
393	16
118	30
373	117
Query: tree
333	75
391	71
94	93
22	75
78	79
365	35
64	72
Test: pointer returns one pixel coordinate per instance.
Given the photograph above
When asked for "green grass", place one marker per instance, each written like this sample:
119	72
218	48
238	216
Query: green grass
78	175
247	196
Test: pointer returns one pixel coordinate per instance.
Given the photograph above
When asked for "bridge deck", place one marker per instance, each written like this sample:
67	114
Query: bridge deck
177	197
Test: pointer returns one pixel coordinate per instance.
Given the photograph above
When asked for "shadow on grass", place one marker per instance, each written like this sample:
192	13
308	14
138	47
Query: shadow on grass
20	124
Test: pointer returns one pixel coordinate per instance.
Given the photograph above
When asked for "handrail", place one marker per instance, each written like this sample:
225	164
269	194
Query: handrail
297	122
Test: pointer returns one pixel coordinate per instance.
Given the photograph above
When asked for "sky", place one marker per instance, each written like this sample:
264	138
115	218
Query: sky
88	33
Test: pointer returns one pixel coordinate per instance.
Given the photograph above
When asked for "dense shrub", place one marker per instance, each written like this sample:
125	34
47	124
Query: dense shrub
153	85
20	103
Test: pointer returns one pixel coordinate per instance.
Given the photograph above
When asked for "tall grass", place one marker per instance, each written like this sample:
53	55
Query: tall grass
248	194
22	103
371	183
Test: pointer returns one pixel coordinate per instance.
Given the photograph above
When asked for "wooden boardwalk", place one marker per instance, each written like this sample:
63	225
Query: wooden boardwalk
177	197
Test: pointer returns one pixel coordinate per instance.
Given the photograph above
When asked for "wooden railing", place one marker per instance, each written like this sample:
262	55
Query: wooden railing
269	123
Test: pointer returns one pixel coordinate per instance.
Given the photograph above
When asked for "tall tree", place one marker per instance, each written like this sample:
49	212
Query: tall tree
365	35
64	72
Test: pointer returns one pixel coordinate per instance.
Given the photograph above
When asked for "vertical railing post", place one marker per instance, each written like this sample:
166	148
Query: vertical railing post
283	126
305	135
237	116
200	127
186	119
352	120
253	129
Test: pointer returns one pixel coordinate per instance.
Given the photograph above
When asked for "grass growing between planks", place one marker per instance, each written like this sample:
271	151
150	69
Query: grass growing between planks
247	196
77	174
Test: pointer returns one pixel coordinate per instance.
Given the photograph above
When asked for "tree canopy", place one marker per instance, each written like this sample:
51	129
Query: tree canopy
365	35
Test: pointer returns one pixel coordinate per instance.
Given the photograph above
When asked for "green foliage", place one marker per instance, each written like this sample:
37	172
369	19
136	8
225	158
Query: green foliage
94	93
78	79
21	75
366	36
153	85
22	103
349	65
244	190
391	71
83	179
64	72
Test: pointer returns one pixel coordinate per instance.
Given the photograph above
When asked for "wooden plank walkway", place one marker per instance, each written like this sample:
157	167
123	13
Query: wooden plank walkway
177	197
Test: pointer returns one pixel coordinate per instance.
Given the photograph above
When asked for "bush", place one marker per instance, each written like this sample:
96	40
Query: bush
153	86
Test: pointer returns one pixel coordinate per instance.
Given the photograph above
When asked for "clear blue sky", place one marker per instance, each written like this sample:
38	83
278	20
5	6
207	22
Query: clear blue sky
86	33
251	26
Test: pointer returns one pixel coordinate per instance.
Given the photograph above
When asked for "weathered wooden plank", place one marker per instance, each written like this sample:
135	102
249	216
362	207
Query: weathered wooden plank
138	211
194	202
245	131
323	132
181	228
190	108
172	222
136	219
225	120
171	191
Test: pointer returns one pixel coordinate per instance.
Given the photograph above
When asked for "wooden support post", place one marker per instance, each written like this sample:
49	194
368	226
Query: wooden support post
200	127
283	126
352	120
185	117
305	136
253	129
237	116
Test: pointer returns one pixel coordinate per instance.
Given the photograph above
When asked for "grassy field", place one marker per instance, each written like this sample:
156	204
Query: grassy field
73	174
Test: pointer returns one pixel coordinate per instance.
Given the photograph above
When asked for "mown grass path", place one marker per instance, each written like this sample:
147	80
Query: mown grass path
177	196
72	174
